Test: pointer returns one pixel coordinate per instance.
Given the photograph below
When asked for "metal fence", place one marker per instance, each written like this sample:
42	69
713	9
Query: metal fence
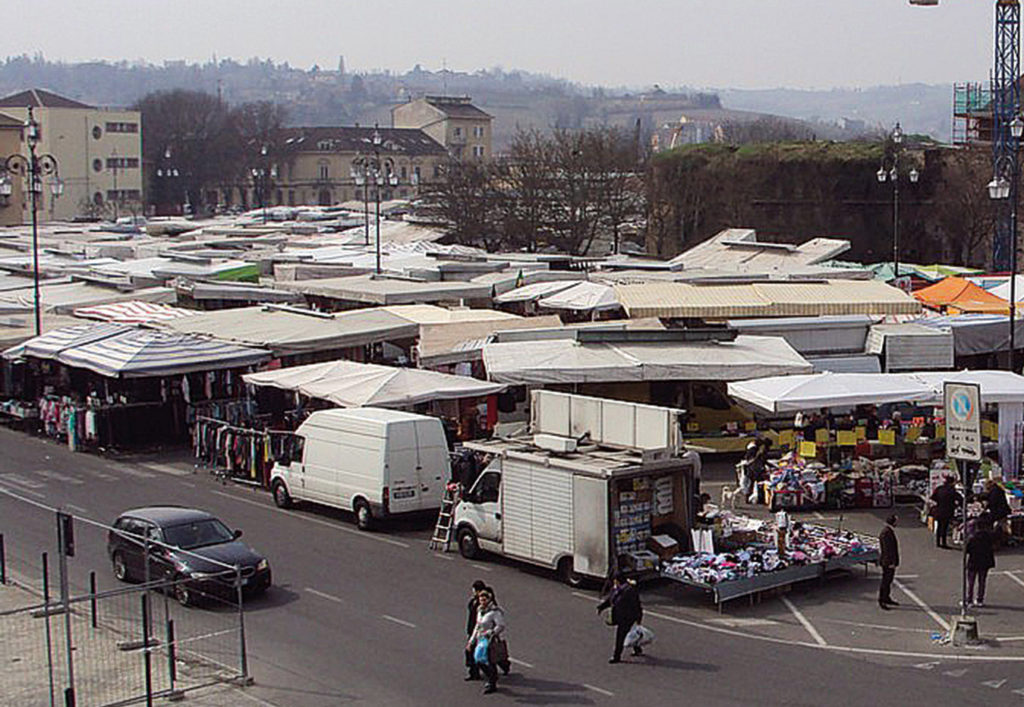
67	643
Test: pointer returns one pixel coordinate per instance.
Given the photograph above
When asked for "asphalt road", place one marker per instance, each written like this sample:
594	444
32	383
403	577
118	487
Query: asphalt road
378	619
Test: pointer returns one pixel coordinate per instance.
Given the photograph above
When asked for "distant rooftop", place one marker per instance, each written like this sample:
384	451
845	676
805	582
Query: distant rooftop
456	106
411	141
39	98
738	249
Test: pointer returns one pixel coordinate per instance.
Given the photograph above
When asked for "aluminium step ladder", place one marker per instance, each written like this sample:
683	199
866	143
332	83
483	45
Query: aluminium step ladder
442	537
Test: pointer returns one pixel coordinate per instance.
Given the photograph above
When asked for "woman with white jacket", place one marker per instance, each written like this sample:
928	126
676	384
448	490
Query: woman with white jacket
490	624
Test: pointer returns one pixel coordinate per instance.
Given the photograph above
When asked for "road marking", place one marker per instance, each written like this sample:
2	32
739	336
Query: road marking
482	568
598	690
956	673
927	609
57	476
879	626
1015	578
804	622
137	473
516	661
1007	639
907	576
165	469
834	648
581	595
73	507
441	556
740	622
19	480
400	622
1020	691
927	666
317	521
11	491
101	475
994	684
325	595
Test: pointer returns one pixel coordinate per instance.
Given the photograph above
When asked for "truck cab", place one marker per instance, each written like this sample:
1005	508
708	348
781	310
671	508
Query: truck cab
478	516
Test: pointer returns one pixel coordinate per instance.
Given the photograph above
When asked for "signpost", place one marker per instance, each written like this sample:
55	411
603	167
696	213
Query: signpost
962	403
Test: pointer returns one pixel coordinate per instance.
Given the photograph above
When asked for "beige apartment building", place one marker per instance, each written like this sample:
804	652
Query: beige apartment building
463	129
12	207
98	153
316	166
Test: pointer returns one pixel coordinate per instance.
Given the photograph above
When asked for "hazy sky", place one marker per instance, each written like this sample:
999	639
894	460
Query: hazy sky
700	43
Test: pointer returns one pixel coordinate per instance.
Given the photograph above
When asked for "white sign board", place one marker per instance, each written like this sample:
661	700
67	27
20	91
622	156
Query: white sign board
963	420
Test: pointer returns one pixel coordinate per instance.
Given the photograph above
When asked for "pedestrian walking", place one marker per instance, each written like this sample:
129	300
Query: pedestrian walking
980	559
944	503
624	602
889	559
490	627
472	614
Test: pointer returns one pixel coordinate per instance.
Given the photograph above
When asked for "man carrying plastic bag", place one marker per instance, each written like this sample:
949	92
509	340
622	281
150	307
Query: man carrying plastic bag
624	601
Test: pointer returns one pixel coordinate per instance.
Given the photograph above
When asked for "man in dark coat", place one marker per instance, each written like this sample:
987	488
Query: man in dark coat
980	559
889	551
944	500
624	601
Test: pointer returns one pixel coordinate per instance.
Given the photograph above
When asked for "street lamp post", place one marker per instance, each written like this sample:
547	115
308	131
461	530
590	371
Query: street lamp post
260	178
366	169
893	175
32	168
1004	185
165	173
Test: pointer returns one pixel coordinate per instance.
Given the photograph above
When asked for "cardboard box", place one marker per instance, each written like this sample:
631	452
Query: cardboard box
663	546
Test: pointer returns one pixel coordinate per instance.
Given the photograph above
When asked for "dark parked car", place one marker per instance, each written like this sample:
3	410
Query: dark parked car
189	547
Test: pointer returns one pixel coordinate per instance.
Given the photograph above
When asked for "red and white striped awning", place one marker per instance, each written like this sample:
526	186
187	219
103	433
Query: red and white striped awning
133	312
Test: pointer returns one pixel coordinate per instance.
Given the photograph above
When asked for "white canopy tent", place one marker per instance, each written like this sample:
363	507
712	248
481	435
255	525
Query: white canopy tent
529	293
570	361
1003	290
793	393
352	384
583	297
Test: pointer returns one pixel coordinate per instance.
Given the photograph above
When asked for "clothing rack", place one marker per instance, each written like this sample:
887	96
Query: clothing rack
244	453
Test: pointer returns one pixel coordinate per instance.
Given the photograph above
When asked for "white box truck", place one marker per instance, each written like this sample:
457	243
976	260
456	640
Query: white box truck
578	508
371	461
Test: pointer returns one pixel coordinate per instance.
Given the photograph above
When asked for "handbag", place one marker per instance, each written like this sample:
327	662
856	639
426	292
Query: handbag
498	651
608	618
480	651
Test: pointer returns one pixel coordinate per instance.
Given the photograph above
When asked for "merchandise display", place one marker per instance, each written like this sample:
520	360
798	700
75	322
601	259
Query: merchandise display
797	484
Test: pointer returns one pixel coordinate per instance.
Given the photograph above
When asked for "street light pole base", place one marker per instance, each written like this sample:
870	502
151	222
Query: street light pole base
963	631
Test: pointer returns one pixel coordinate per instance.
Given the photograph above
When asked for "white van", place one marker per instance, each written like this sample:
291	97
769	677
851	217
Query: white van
371	461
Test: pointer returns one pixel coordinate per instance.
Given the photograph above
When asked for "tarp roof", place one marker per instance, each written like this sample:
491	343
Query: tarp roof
144	353
288	331
65	298
451	342
978	333
529	293
52	343
387	290
431	314
1003	290
583	297
805	392
570	361
996	386
352	384
961	295
781	298
133	312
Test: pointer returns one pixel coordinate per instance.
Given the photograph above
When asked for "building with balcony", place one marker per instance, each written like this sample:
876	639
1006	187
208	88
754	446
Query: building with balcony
463	129
316	166
98	153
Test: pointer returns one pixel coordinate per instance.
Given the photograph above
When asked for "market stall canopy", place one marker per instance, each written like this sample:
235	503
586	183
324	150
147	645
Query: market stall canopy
145	353
583	297
289	331
51	344
531	293
366	289
978	333
458	341
64	298
352	384
996	386
1003	290
133	312
18	327
778	394
956	295
766	298
571	361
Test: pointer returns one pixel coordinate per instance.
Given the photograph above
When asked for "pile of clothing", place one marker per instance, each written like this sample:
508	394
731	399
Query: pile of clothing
710	568
815	543
794	476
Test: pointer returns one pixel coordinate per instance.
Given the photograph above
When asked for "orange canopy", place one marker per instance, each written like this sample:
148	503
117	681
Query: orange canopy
955	295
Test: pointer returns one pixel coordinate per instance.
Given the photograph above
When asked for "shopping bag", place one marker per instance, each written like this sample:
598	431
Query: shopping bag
646	636
498	652
633	637
480	651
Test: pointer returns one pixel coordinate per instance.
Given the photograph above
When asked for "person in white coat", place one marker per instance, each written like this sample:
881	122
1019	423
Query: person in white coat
490	624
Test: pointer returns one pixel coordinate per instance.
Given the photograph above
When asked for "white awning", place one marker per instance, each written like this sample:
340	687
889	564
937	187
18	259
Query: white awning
792	393
583	297
352	384
570	361
143	353
996	386
529	293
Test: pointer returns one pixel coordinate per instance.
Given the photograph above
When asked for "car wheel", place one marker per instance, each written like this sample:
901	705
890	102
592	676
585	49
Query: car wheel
282	499
183	594
567	573
364	517
120	568
469	547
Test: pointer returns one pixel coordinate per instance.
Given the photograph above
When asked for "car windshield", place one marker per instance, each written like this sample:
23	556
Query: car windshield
197	534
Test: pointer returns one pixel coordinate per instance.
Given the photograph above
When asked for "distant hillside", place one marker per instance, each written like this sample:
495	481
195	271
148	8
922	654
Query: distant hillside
920	108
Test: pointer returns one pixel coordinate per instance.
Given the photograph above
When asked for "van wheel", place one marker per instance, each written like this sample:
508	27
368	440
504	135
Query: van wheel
364	518
282	499
568	574
469	547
